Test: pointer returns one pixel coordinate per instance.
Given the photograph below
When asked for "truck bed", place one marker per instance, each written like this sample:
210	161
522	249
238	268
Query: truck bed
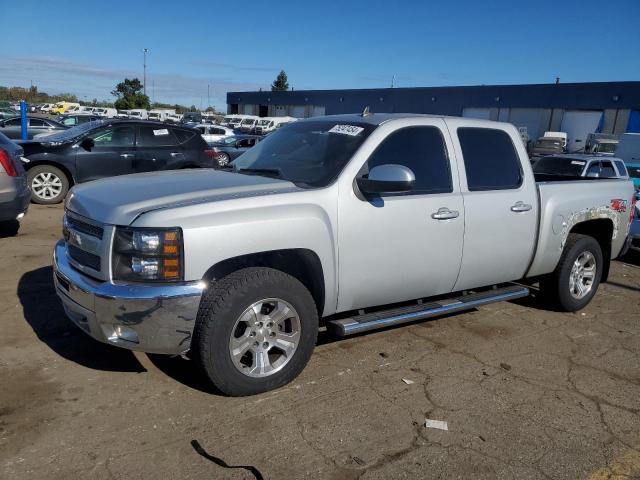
567	201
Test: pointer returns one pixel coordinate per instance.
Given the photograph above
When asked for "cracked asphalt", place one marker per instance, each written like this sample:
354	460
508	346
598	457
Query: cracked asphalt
526	393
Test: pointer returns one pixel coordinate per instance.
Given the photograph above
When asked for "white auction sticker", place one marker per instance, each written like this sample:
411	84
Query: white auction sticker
347	130
162	131
577	162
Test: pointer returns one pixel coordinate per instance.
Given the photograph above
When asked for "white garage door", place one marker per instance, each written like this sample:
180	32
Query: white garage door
578	124
297	111
317	110
482	113
532	118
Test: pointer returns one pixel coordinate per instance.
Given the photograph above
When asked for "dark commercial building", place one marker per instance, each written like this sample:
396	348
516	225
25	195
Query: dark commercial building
575	108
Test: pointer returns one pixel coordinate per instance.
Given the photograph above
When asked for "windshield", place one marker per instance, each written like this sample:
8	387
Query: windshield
73	132
228	119
310	153
264	123
609	147
546	143
134	114
247	121
559	166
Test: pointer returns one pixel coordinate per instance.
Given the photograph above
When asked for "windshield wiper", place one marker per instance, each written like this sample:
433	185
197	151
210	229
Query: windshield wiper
267	172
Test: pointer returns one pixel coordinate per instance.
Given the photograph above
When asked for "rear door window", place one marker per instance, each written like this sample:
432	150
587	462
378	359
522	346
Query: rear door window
607	170
621	168
490	159
114	136
421	149
182	135
154	136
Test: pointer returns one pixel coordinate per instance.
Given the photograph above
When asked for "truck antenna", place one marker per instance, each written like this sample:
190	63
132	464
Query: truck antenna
366	112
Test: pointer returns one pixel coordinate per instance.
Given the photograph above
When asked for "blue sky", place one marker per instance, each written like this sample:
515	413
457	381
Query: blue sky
86	47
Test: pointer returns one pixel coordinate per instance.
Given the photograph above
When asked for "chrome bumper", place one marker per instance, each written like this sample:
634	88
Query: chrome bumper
147	318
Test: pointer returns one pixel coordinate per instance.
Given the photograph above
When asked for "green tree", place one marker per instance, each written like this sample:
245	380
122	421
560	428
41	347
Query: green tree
281	83
129	95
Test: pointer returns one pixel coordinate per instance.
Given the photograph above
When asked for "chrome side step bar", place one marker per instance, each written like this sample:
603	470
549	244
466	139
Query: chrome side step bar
371	321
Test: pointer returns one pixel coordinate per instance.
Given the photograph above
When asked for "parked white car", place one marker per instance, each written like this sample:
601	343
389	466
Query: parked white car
173	118
160	115
139	114
269	124
248	124
105	112
46	108
233	121
213	133
122	114
80	110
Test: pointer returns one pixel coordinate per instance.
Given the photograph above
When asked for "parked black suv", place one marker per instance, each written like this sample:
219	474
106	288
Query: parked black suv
107	148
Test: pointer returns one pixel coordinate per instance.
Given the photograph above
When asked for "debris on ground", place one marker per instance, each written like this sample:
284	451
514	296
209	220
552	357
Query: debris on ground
438	424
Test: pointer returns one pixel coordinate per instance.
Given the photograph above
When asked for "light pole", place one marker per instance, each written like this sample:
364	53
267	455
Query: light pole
144	66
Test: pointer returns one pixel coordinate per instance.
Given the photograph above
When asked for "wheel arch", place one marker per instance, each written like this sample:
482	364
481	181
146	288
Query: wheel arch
301	263
63	168
601	229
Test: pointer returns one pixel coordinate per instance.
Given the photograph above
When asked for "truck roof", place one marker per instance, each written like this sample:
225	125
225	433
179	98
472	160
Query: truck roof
380	118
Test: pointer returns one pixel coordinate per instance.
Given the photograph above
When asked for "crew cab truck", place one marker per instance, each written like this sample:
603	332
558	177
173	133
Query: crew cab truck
350	222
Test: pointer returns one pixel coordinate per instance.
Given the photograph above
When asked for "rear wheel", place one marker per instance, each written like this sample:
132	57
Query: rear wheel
256	330
223	159
48	184
577	276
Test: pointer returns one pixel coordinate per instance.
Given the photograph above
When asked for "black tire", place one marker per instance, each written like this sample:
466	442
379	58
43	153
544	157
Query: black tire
555	287
55	173
222	306
9	228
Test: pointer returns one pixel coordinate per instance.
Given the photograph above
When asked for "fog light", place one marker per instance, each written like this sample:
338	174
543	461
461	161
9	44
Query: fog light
125	333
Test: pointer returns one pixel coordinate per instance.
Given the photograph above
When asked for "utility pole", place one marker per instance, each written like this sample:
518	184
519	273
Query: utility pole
144	66
153	91
393	80
208	97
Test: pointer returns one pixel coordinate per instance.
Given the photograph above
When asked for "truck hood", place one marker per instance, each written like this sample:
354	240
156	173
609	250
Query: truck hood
120	200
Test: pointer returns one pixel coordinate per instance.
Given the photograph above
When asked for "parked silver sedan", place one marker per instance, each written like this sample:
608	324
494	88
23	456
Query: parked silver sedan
14	192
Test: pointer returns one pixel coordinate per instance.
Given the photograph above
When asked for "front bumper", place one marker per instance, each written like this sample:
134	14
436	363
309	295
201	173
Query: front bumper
147	318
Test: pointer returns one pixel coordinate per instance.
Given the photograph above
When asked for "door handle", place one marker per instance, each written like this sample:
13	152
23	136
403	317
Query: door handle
176	154
520	207
445	214
126	155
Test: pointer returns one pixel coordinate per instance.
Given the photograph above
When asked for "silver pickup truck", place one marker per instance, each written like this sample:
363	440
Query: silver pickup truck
349	223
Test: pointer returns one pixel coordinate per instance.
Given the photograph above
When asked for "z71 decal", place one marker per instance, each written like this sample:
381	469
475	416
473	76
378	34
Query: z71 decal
619	205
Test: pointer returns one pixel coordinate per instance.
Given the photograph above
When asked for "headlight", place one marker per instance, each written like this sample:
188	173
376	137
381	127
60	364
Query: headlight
148	254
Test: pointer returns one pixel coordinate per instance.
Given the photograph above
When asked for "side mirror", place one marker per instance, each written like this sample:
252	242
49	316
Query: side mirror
387	179
87	144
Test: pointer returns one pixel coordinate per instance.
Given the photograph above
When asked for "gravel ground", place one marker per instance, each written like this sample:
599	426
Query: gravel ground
526	393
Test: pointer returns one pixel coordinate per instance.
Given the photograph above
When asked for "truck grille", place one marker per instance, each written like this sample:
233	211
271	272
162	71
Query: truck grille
84	258
85	227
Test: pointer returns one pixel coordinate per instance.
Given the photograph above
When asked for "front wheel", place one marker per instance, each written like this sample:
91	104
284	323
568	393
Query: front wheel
574	282
256	330
48	184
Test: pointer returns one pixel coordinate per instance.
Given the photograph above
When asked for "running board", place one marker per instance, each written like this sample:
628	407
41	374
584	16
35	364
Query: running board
372	321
